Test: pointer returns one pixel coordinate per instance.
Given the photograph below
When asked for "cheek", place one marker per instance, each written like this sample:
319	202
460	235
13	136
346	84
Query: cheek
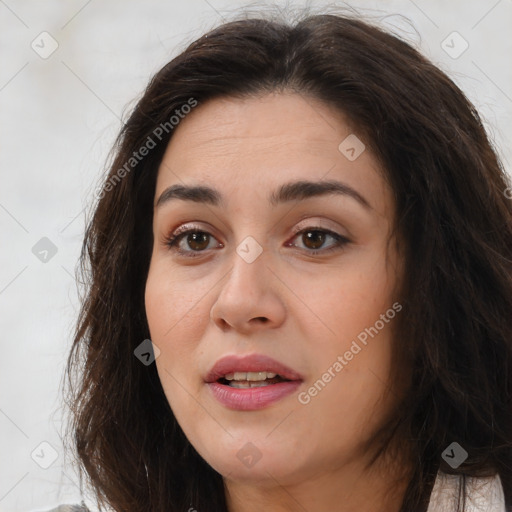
340	304
349	387
176	320
175	307
349	307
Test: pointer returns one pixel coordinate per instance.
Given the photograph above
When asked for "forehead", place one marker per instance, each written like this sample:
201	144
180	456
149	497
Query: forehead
262	142
280	122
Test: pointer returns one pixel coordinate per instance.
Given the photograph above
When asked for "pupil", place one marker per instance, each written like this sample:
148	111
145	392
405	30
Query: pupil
317	240
195	238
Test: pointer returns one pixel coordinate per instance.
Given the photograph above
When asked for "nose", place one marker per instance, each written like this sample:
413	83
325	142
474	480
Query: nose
249	298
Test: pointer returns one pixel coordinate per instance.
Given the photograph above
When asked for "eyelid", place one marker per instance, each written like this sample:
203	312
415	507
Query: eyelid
304	223
312	223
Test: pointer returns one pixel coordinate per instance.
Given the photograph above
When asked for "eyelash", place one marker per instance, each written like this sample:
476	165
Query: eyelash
173	240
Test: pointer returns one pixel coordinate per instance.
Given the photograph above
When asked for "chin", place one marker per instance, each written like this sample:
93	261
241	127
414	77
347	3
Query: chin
268	469
255	461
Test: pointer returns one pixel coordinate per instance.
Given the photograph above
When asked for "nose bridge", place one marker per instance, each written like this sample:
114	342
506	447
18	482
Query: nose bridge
249	266
248	293
251	240
250	250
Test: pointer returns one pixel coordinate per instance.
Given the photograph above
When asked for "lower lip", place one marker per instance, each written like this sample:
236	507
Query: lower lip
252	399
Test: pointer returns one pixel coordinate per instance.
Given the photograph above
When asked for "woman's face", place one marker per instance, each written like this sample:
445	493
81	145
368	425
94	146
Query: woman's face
278	277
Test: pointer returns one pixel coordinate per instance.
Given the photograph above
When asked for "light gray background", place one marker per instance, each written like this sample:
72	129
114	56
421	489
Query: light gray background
60	115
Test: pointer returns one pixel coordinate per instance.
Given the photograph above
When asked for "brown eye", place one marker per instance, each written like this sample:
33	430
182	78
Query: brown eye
314	238
190	242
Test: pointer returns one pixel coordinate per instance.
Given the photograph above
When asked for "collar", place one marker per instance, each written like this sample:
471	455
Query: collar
482	494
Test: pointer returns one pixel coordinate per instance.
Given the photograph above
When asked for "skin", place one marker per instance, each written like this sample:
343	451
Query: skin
301	309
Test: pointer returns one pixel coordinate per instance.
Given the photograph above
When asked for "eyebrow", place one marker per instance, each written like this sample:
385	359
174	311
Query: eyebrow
287	192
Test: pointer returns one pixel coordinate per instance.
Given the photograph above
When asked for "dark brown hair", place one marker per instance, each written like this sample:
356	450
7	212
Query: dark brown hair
452	215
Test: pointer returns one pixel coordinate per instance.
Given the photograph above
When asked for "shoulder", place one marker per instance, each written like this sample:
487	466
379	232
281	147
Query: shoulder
482	493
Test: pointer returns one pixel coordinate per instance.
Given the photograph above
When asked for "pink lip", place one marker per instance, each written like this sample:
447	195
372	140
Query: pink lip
252	398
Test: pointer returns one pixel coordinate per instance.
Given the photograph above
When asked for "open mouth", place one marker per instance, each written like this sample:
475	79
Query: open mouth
246	380
251	382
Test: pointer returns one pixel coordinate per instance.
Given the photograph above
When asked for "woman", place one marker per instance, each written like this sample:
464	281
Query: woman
310	225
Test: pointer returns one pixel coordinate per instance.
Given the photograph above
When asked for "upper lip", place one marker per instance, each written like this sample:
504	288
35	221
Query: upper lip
250	363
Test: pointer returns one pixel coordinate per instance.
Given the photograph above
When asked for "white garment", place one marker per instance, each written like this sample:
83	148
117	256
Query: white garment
482	494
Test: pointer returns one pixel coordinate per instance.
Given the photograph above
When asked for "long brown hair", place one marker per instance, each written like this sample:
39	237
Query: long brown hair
453	216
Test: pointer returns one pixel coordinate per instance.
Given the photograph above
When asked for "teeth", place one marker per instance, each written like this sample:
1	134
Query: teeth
251	376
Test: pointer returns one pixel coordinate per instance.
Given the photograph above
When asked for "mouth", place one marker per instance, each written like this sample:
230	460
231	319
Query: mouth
251	382
246	380
250	369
